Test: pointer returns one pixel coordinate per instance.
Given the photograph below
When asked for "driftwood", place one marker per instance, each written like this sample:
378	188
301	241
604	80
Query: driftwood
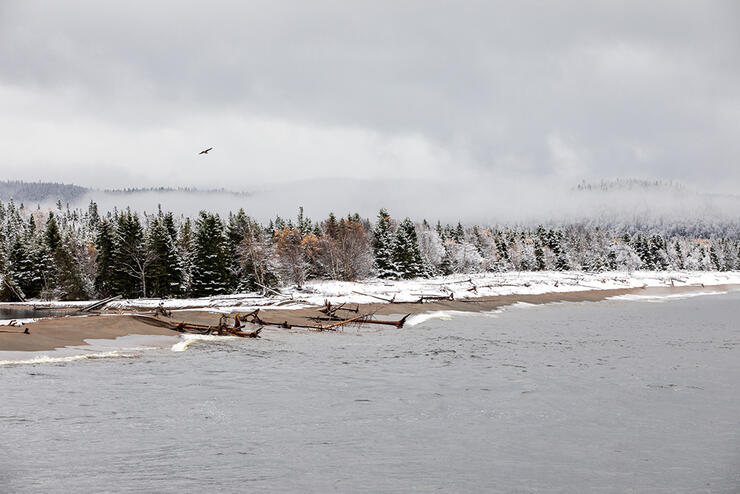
15	291
254	317
424	297
389	300
268	289
222	329
399	324
14	324
161	311
99	304
331	311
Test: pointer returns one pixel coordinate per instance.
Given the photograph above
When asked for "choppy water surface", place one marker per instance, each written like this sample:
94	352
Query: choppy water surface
616	396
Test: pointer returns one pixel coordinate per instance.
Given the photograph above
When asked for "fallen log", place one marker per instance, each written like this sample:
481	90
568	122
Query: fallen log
255	318
399	324
390	300
16	291
99	304
424	297
268	289
341	323
331	311
185	327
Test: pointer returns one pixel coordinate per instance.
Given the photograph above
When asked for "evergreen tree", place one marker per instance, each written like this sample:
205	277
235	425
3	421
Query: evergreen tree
714	258
105	273
679	255
93	216
555	240
70	283
52	237
210	276
185	249
164	277
237	229
640	244
657	253
169	224
384	247
130	256
23	269
459	233
447	264
331	227
440	230
539	257
303	224
406	254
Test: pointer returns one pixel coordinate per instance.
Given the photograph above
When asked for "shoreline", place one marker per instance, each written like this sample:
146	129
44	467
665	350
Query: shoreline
49	334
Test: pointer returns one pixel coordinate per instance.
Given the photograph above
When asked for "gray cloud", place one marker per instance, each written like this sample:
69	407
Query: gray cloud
118	94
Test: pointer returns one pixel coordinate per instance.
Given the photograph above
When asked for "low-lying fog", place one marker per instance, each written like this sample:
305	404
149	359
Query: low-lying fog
484	202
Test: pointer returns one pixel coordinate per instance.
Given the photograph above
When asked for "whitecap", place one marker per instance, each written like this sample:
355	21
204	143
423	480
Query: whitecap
447	315
665	297
47	359
189	339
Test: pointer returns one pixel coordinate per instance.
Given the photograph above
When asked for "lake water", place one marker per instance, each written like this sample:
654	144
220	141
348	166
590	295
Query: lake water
29	313
615	396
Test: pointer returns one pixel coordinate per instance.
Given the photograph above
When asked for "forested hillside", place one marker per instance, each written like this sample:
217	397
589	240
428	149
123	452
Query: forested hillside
73	254
35	192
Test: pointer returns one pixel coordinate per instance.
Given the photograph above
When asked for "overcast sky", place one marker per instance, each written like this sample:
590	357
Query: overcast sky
117	94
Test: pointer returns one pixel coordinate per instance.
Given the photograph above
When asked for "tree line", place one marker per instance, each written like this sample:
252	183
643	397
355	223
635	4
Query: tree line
75	254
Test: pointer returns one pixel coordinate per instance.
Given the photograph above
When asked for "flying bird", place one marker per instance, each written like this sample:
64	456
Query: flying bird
205	151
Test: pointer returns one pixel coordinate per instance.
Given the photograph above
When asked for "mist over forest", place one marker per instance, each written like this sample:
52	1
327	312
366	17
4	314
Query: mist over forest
625	204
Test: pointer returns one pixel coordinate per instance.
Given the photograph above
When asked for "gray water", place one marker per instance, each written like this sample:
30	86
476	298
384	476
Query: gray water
29	313
615	396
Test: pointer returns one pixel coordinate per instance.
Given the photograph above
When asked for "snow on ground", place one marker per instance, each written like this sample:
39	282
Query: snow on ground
459	285
17	322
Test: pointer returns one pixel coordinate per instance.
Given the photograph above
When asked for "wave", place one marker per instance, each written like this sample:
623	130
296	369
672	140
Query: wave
189	339
664	298
447	315
46	359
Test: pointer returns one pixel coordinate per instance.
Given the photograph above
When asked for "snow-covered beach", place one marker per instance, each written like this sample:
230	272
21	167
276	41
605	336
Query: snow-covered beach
461	294
460	286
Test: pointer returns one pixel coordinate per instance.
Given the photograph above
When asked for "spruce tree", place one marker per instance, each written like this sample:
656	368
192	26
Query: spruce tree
93	216
539	257
104	274
210	276
406	254
164	277
384	246
331	226
561	260
446	265
237	229
69	280
52	237
679	255
459	233
130	256
185	249
23	269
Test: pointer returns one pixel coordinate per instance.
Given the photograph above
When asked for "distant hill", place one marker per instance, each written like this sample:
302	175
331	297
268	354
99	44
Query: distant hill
189	190
30	192
45	192
630	184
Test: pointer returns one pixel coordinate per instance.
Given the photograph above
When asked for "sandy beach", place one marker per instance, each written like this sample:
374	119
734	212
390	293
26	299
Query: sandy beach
73	330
